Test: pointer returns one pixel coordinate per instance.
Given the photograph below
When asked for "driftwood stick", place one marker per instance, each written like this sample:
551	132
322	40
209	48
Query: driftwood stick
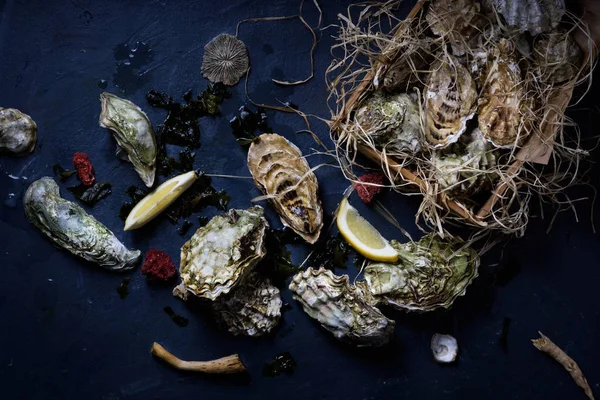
227	365
547	346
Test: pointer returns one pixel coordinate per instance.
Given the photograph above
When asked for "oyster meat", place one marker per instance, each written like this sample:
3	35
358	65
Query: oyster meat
391	122
430	274
458	20
444	348
344	310
534	16
450	102
557	56
252	309
280	171
71	228
221	253
18	132
133	132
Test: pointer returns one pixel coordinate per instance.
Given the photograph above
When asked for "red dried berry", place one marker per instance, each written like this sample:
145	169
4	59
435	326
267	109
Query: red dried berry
159	266
84	168
367	192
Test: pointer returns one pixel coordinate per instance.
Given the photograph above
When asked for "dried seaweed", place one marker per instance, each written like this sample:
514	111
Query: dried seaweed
90	195
64	174
282	363
178	319
245	125
330	252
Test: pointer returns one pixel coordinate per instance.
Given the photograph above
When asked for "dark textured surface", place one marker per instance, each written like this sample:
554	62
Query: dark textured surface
65	332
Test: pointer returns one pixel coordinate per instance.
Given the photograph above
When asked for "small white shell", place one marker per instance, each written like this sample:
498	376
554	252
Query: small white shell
444	348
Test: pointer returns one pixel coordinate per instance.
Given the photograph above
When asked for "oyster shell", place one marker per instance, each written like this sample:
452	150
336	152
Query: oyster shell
404	71
280	171
449	103
133	132
535	16
221	253
458	20
252	309
499	107
444	348
70	227
344	310
430	274
391	122
557	56
18	132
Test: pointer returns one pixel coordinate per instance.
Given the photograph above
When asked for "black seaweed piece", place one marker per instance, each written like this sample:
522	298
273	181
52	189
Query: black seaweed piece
136	193
91	194
247	122
184	228
277	263
203	221
178	319
330	253
199	196
282	363
123	288
64	174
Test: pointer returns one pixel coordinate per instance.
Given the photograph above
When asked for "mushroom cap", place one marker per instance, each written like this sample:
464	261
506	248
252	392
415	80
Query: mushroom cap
225	60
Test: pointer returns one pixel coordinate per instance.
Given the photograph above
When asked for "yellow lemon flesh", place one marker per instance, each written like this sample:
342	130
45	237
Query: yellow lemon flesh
155	202
362	236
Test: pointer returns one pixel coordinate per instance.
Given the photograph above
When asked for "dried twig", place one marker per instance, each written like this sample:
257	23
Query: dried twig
227	365
547	346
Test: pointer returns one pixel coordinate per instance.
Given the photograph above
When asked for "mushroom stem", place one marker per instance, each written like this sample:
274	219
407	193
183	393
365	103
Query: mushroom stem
227	365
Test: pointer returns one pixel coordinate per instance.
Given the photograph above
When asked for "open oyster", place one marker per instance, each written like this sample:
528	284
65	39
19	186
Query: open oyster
458	20
221	253
430	274
449	103
133	132
71	228
444	348
535	16
343	309
280	171
252	309
18	132
391	122
557	56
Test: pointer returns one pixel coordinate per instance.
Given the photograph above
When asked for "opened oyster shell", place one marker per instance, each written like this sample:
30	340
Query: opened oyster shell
391	122
70	227
134	134
252	309
18	132
221	253
344	310
280	171
430	274
534	16
449	103
457	20
557	56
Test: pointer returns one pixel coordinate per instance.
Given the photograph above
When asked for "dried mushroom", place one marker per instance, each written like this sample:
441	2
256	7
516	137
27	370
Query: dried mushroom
18	132
225	60
534	16
444	348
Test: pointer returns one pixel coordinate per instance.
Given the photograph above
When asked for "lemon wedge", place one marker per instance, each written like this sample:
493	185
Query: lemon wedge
362	235
155	202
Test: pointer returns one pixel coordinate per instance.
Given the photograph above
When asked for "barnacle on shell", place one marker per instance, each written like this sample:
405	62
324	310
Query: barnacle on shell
225	60
18	132
534	16
557	56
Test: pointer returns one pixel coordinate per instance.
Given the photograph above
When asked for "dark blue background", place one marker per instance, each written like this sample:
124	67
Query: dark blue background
66	334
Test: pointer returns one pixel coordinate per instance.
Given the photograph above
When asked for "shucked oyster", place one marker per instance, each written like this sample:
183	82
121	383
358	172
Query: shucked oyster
18	132
535	16
343	309
71	228
430	273
449	103
221	253
280	171
133	132
458	20
252	309
557	56
391	122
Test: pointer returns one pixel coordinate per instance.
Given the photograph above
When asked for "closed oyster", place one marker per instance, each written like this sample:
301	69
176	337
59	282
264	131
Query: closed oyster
458	20
534	16
499	107
18	132
252	309
133	132
449	103
71	228
430	274
343	309
407	69
221	253
391	122
444	348
557	56
280	171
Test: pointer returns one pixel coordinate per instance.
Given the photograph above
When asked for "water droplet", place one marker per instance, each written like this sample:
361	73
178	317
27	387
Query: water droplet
11	201
103	84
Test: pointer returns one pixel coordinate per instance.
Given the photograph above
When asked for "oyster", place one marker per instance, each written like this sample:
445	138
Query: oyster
449	103
444	348
133	132
458	20
18	132
535	16
404	71
557	56
391	122
221	253
71	228
343	309
430	274
499	107
280	171
252	309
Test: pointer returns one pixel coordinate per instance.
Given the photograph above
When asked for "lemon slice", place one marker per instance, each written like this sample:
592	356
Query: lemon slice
155	202
362	235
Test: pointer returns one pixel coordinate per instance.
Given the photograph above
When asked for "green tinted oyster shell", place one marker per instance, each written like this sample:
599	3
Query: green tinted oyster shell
219	255
133	132
18	132
70	227
430	274
344	310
